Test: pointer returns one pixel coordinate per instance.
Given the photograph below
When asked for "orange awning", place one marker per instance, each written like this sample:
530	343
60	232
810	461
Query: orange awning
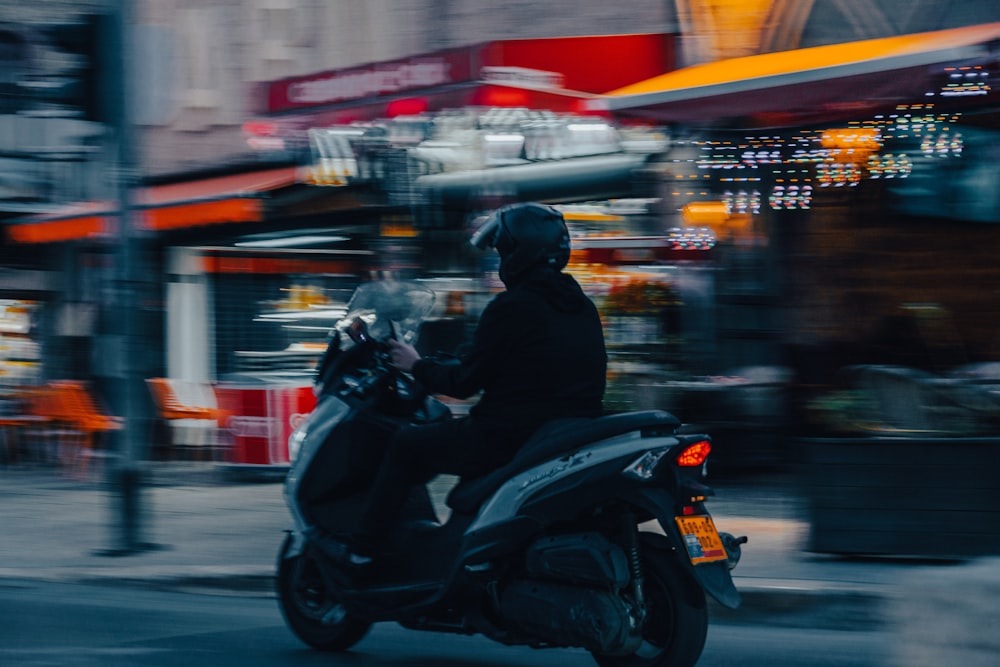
209	201
836	75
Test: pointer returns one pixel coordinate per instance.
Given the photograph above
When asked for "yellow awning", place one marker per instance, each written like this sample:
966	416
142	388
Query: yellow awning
672	95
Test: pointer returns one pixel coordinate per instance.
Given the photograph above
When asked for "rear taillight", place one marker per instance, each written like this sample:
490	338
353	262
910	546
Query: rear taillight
694	455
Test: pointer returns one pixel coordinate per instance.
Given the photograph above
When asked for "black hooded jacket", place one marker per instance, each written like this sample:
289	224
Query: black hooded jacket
537	354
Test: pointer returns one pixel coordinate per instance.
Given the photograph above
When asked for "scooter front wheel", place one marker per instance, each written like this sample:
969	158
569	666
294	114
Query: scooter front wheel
311	610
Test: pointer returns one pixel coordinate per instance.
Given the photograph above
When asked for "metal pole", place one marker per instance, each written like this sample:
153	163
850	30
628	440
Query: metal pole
126	474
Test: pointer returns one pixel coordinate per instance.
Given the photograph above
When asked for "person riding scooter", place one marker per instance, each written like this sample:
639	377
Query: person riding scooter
537	355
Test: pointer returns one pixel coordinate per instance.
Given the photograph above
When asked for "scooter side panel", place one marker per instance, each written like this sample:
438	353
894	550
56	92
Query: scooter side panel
312	434
528	502
504	504
521	506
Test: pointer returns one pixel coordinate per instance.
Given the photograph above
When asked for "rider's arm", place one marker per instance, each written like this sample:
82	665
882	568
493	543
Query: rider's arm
490	346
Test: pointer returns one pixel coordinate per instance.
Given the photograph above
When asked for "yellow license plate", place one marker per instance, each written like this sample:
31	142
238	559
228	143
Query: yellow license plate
701	539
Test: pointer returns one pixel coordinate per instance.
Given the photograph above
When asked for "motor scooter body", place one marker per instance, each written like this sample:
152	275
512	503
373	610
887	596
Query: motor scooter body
596	534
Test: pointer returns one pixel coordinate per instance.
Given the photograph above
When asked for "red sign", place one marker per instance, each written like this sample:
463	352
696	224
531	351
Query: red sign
586	64
590	63
371	80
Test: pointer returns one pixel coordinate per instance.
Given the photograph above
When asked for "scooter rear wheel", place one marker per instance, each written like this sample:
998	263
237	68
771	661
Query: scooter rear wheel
311	610
676	617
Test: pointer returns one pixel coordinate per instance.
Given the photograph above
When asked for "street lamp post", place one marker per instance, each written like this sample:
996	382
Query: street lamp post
125	343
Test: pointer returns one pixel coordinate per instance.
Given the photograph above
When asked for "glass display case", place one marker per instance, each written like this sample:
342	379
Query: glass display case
20	351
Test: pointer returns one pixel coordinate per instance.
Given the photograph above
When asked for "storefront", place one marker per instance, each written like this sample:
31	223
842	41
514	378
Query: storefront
689	193
389	143
199	294
868	174
242	264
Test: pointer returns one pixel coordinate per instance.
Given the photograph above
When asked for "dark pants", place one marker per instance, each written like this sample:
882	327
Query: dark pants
416	454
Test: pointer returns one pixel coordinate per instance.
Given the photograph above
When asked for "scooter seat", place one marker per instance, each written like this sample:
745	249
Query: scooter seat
553	438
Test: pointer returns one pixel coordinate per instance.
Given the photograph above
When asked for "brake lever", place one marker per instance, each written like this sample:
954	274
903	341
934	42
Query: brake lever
385	356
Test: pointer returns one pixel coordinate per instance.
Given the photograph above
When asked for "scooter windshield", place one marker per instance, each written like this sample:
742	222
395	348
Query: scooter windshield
390	307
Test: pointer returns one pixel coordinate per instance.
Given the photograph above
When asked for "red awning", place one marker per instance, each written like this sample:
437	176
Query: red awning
209	201
824	80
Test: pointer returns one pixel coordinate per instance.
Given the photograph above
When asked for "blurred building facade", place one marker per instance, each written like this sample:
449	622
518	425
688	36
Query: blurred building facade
202	70
197	63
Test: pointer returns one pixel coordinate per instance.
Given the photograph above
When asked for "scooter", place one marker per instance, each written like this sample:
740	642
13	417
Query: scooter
596	535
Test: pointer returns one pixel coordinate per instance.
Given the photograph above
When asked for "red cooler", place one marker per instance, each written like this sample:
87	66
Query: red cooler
260	417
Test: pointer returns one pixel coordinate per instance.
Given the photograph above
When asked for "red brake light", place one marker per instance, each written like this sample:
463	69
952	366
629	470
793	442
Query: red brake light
694	455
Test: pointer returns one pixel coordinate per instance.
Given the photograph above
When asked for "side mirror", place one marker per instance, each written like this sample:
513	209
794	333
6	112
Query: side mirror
358	331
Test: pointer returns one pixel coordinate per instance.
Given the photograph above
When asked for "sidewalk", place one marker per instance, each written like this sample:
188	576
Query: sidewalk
211	532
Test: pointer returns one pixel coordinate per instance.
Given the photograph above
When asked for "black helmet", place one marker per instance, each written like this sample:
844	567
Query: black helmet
526	236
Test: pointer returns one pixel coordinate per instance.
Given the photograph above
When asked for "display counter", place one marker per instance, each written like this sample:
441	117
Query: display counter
262	411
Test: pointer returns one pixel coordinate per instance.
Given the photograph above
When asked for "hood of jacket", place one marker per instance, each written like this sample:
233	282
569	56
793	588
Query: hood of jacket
559	289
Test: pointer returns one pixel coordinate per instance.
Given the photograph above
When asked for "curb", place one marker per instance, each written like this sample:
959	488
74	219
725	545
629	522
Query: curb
804	604
212	580
213	473
773	602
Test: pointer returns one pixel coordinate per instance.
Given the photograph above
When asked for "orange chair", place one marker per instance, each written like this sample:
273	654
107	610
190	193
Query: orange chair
184	420
40	429
31	417
171	408
72	405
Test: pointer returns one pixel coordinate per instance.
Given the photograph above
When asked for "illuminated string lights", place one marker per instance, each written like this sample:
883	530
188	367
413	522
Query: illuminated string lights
691	238
945	144
742	201
753	158
965	82
889	165
838	174
914	121
719	155
791	197
801	164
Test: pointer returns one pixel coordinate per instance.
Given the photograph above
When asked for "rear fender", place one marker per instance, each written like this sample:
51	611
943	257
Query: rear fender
715	577
662	546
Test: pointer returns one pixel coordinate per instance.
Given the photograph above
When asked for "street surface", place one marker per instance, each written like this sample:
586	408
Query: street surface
73	625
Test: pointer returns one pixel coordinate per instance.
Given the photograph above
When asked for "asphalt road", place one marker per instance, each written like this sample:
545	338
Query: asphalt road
72	625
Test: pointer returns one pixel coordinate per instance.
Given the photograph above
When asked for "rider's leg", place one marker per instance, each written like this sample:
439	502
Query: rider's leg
418	453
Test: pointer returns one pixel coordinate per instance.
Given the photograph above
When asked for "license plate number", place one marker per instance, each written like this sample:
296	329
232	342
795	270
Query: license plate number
701	539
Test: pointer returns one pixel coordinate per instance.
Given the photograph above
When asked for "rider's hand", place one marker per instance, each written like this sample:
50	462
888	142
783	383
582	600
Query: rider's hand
403	356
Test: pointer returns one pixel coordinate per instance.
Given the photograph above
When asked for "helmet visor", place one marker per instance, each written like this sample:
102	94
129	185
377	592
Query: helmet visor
486	236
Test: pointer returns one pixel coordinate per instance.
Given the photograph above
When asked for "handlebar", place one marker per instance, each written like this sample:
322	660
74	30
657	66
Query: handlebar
365	372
